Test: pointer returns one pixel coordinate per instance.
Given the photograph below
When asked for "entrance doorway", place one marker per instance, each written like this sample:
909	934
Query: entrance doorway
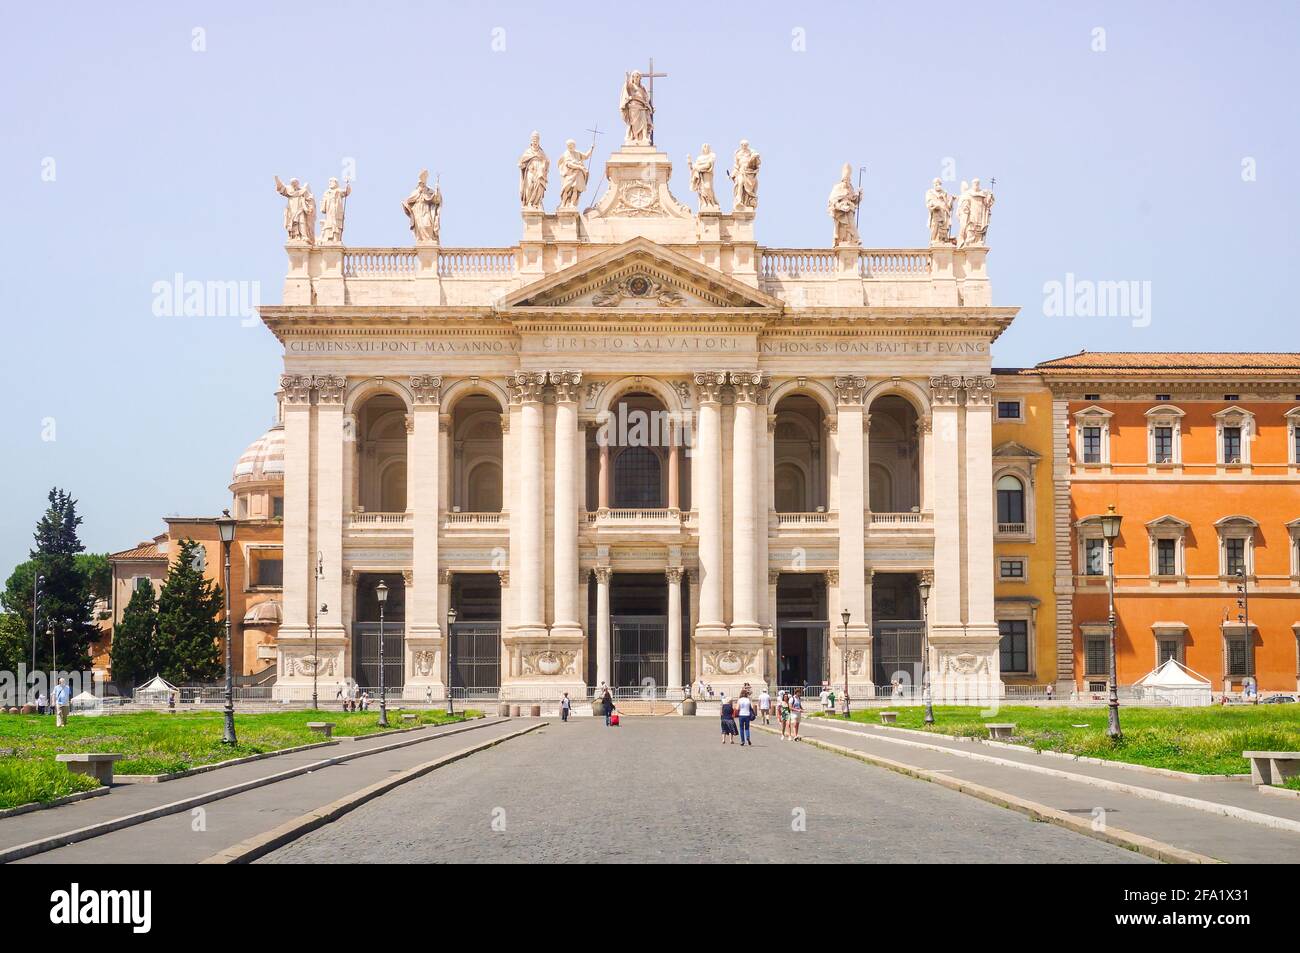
897	629
476	635
365	631
801	633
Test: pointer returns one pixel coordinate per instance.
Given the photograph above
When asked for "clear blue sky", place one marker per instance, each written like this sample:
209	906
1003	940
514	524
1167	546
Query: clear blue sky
1117	165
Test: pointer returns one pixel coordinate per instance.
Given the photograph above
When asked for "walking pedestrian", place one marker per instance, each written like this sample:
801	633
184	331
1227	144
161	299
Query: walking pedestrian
745	715
784	712
565	704
62	698
1051	692
40	702
765	706
729	731
796	712
607	700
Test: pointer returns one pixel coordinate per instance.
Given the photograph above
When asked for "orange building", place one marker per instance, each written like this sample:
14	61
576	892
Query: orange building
1200	455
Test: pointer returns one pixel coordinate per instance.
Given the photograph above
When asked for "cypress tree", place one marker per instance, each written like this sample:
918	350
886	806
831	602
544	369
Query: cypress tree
190	630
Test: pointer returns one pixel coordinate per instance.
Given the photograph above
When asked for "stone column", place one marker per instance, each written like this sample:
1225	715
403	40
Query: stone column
565	599
945	597
674	575
528	507
852	503
603	477
707	467
744	541
603	574
674	467
423	609
980	525
329	498
299	560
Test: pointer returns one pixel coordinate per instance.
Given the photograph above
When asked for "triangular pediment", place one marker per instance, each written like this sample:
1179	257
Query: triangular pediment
639	275
1016	451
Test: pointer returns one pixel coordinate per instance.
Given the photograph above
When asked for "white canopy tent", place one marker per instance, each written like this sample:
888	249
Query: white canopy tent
156	691
1173	684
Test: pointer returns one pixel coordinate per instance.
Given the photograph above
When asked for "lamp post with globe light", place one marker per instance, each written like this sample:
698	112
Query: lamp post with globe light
381	594
1110	523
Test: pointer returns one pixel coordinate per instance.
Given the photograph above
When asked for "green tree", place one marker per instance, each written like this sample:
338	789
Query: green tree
65	611
189	627
135	640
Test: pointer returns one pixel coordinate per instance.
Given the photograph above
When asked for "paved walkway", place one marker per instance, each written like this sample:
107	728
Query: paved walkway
174	839
665	789
1223	838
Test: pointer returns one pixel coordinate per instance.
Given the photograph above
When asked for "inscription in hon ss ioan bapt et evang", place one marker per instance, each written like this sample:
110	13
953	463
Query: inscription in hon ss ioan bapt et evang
878	346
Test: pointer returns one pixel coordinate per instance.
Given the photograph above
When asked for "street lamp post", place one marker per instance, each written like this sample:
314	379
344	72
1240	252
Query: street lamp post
315	628
844	655
381	593
1243	617
451	661
1110	530
226	527
923	587
36	591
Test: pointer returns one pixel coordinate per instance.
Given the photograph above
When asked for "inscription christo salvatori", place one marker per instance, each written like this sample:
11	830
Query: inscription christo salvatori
642	344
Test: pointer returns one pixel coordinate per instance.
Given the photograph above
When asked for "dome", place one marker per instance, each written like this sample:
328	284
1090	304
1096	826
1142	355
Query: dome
263	460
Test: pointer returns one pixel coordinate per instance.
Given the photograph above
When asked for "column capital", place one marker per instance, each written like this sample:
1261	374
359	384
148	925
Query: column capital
708	386
329	388
565	384
427	389
850	390
296	388
979	390
526	386
673	574
503	575
749	386
945	391
603	574
832	577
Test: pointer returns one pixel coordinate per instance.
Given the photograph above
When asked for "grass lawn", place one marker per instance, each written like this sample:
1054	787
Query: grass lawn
158	743
1197	740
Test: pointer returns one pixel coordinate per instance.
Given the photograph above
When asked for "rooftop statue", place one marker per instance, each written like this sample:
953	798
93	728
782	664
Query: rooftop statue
573	173
938	203
702	167
637	111
744	177
975	207
299	212
843	209
333	205
534	167
424	209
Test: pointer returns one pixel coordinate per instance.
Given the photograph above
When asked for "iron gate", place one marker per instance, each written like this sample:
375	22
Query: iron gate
896	652
640	650
476	655
801	653
365	653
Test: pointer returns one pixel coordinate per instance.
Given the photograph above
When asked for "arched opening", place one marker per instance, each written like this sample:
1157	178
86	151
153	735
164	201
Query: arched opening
477	466
894	449
381	454
799	470
1011	504
635	458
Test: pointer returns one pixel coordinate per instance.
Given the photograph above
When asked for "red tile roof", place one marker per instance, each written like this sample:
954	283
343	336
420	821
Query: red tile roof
1183	362
140	551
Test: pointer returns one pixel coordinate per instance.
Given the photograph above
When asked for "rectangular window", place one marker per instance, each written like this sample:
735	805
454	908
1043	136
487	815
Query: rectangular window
277	507
1092	396
1238	656
1092	445
1166	557
1164	398
1011	568
270	572
1166	650
1015	645
1095	656
1234	548
1231	444
1295	434
1094	557
1163	444
1008	410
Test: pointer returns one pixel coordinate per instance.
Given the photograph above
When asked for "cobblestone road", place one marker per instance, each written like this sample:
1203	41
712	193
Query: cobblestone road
665	789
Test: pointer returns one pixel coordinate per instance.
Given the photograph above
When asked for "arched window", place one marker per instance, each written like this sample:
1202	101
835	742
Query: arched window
636	479
476	476
485	488
379	458
798	461
1011	500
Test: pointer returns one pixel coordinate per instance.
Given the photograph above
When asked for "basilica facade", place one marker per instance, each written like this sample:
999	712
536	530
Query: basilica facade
637	447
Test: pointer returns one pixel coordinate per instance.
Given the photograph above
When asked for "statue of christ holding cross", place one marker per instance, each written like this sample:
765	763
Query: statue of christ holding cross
637	107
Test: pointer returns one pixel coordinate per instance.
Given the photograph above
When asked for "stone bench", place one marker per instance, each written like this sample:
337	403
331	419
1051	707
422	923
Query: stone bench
409	717
325	728
1272	767
888	717
97	765
1000	731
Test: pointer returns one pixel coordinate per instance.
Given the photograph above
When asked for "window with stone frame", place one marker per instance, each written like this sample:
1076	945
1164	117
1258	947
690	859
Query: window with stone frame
1167	535
1166	557
1011	568
1235	425
1236	545
1014	645
1011	504
1238	655
1293	435
1167	649
1164	433
1234	548
1094	557
1096	660
1232	445
1010	410
1092	435
1092	445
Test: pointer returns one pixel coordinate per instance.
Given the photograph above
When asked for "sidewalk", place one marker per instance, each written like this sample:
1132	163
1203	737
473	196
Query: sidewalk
129	799
1096	789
